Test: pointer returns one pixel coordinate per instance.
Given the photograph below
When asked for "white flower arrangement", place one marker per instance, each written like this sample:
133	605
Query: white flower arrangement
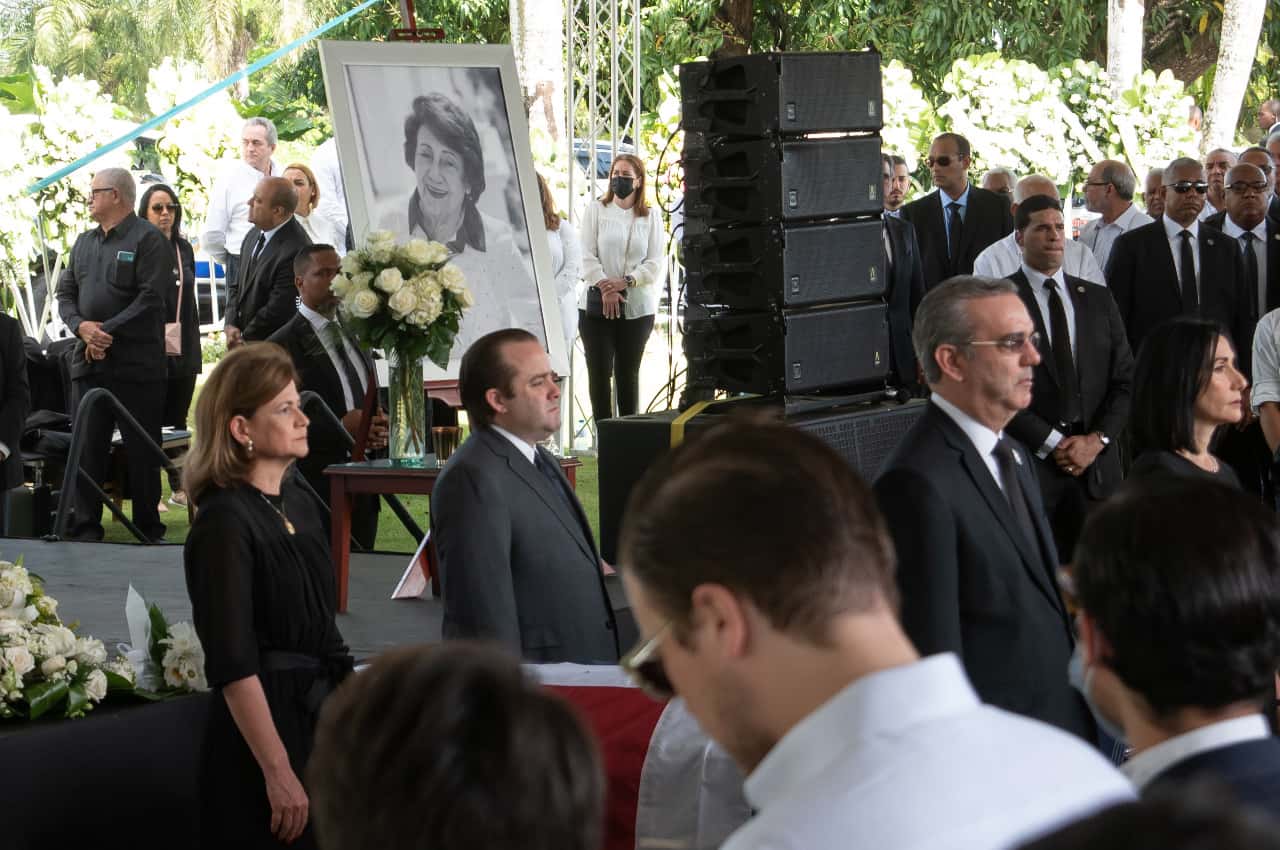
44	666
167	658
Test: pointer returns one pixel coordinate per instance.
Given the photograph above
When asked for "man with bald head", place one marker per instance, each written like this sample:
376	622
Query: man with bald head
1179	266
1153	195
1108	191
1003	258
109	296
1266	161
1268	116
261	299
1216	165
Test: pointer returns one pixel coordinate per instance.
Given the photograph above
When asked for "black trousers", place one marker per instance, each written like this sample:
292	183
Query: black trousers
614	348
178	391
145	401
1066	503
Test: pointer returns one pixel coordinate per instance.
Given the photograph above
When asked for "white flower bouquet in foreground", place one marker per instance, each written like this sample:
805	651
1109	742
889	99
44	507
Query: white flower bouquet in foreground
405	299
167	659
44	667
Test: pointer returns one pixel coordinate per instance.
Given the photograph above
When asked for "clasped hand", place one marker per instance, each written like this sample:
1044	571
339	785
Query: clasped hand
96	340
1075	454
611	291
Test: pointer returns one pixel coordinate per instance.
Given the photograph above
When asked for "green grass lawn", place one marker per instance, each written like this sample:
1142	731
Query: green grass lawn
392	536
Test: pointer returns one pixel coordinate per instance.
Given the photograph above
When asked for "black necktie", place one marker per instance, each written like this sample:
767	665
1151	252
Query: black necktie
334	332
1187	275
253	257
547	468
1251	273
1008	464
1062	359
955	229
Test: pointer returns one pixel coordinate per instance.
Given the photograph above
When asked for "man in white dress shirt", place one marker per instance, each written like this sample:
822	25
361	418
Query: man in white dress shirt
1108	191
227	221
762	577
1003	258
1179	588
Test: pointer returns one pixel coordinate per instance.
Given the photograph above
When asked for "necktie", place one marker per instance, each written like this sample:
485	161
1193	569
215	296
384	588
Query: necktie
253	257
1257	294
1008	464
333	332
955	229
553	476
1187	276
1062	359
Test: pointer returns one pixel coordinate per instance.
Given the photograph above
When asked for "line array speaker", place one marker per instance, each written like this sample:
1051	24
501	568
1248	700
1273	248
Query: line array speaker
778	265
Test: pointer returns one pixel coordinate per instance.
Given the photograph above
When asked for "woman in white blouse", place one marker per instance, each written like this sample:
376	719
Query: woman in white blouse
321	230
623	262
566	262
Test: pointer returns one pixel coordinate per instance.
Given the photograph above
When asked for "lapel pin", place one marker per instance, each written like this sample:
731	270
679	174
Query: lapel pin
1080	289
1017	458
1208	241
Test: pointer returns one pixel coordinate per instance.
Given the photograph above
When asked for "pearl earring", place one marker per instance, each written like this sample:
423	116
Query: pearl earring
250	446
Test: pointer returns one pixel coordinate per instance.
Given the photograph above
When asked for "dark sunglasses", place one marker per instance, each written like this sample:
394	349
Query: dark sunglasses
1182	187
643	665
1011	344
159	208
1242	186
942	161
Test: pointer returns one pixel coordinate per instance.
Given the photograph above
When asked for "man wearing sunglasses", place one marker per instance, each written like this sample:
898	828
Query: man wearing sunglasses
1261	157
762	579
976	555
958	220
1179	265
1080	398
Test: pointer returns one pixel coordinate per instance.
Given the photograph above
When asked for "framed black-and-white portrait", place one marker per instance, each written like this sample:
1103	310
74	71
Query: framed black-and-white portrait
434	144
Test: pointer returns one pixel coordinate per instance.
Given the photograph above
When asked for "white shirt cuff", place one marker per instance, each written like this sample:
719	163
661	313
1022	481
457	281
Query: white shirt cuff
1050	443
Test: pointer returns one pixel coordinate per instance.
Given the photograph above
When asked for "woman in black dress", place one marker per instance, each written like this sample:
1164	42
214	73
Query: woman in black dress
159	205
1186	386
263	596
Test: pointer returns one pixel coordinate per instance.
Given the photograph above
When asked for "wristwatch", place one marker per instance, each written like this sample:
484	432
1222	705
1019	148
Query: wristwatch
1103	438
630	279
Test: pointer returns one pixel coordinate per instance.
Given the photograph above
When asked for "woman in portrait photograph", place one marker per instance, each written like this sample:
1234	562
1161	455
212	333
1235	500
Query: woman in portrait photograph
263	598
443	149
318	226
159	205
623	261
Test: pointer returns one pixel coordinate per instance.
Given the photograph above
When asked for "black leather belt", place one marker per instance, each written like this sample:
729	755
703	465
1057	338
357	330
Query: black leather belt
330	671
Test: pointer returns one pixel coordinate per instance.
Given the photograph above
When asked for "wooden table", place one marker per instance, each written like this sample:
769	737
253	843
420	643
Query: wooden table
380	477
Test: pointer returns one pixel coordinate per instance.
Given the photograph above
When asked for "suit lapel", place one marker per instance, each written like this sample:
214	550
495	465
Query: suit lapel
575	522
934	215
320	365
970	223
1030	551
1087	347
1050	366
1273	265
1165	252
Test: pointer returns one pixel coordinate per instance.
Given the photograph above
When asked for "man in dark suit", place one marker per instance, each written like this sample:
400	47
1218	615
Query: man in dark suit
956	222
518	561
1262	159
15	404
330	364
1179	266
261	298
906	285
1184	678
976	558
109	297
1080	398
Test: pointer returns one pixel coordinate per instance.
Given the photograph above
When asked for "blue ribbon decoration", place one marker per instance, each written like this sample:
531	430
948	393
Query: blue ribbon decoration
204	95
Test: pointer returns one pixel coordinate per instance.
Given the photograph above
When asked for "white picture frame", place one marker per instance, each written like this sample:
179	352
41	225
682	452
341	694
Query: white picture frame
373	88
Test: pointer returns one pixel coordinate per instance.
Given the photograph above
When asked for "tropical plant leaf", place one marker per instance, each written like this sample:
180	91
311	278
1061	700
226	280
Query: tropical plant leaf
45	696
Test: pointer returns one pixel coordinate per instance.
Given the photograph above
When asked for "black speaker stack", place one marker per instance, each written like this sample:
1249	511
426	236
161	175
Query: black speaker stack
783	245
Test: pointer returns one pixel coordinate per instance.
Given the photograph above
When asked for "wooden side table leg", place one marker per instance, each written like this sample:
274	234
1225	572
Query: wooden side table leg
340	522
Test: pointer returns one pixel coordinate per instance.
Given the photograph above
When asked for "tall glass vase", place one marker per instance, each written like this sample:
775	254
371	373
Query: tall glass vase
409	437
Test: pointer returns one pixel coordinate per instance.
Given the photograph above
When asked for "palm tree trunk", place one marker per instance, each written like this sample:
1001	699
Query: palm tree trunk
1124	43
1241	26
537	36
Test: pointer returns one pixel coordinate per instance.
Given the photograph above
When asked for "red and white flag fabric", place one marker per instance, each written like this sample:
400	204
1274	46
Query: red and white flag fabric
669	786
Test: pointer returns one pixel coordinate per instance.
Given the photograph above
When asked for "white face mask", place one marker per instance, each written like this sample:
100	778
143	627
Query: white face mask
1081	676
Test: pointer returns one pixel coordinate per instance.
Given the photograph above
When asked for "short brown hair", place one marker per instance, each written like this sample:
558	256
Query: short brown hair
453	746
642	206
243	381
768	511
485	366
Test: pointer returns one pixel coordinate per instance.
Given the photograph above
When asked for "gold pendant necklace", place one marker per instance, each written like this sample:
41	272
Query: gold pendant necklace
288	525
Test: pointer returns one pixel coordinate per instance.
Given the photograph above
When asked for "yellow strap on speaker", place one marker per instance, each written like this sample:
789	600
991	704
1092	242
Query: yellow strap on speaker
677	424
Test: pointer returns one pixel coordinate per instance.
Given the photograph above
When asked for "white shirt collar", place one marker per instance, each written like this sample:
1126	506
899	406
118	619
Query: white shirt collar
1150	763
318	320
982	437
526	449
1037	279
1235	231
1172	229
272	232
1126	219
883	703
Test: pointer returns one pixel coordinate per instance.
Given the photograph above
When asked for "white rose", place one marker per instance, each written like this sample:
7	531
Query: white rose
55	664
11	628
361	280
419	318
56	640
418	252
364	303
436	253
452	278
403	302
19	659
47	606
389	280
340	285
96	686
351	264
90	651
381	237
464	297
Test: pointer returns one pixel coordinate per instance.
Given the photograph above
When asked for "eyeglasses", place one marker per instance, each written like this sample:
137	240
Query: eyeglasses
93	193
1182	187
1011	344
942	161
1097	182
643	665
1242	187
159	208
